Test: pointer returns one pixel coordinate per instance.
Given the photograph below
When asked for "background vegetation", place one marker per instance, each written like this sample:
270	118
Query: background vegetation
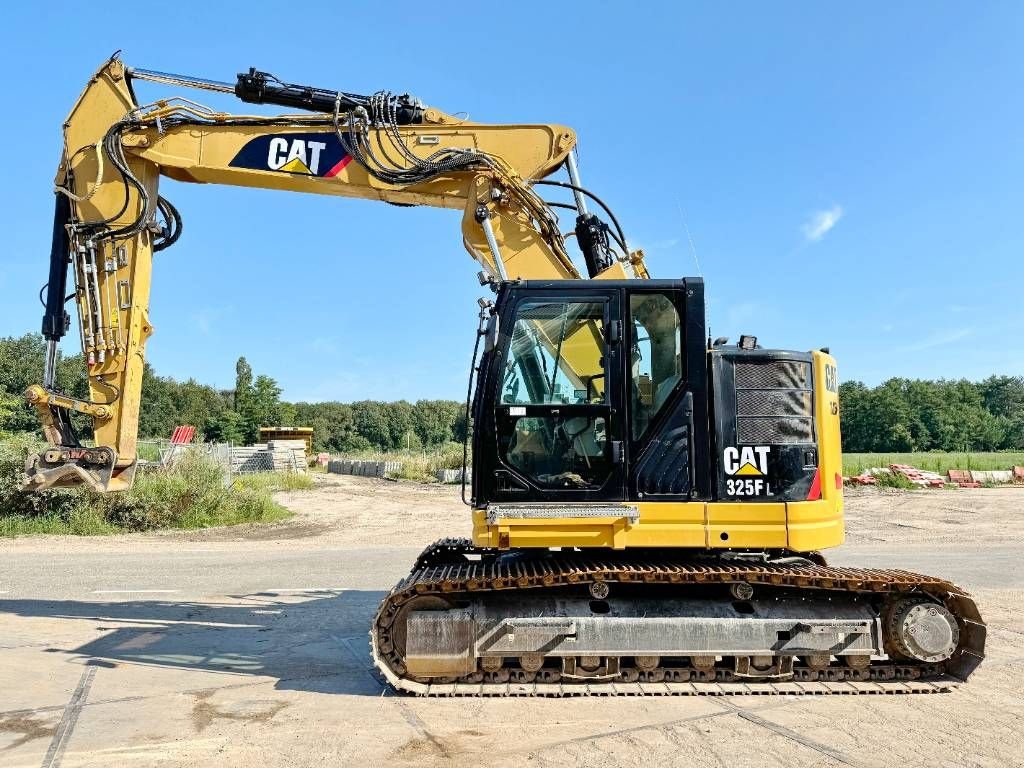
908	415
235	415
955	422
898	416
934	461
419	465
191	494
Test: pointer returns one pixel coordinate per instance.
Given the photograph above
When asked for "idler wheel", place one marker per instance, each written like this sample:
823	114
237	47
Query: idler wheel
922	630
398	627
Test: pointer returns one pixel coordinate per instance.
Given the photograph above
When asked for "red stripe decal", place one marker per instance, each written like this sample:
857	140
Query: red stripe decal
339	167
815	493
839	481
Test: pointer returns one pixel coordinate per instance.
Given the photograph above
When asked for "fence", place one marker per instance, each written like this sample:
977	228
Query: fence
275	456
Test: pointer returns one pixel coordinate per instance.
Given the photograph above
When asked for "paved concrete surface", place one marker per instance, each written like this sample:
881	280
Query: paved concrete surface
249	647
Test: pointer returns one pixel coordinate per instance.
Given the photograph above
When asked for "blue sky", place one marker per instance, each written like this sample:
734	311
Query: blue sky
850	175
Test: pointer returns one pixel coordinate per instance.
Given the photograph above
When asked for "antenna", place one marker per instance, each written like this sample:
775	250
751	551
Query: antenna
689	239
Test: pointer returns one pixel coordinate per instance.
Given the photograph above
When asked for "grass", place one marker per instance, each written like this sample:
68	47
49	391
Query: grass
855	463
84	521
421	465
191	494
149	450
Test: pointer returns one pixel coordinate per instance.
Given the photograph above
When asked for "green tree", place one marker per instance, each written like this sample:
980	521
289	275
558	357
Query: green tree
401	423
891	419
855	416
21	364
436	420
225	427
372	423
243	383
8	405
261	407
288	416
333	426
158	413
167	403
1003	397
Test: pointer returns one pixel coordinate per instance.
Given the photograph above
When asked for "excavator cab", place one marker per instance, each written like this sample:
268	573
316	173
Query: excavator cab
585	376
603	417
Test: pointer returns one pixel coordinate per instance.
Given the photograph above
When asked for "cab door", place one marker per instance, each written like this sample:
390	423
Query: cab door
555	386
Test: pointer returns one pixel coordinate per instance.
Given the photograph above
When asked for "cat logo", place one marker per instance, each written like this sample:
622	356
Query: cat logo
747	462
295	156
748	468
303	154
831	378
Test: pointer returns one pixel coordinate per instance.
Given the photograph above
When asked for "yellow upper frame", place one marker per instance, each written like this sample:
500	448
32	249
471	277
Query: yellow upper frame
202	152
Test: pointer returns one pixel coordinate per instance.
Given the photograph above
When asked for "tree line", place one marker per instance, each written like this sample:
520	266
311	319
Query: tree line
898	415
233	415
919	415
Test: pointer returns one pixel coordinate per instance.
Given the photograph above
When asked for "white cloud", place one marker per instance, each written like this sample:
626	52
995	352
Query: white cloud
821	222
939	339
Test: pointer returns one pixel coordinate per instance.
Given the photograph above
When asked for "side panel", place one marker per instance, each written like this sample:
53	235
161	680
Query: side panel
766	448
818	524
814	525
804	526
660	524
746	526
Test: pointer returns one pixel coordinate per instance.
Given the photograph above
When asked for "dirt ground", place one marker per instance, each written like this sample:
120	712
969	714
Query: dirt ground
247	646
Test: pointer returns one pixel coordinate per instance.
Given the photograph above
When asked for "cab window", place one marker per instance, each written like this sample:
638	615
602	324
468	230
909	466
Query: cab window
553	396
656	357
567	452
556	355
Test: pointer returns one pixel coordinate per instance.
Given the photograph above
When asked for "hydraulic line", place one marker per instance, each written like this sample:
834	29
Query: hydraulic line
621	240
97	308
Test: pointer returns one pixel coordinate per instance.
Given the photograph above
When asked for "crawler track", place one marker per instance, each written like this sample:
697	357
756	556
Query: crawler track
452	569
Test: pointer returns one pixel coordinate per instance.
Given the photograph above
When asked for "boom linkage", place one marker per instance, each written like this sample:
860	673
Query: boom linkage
110	218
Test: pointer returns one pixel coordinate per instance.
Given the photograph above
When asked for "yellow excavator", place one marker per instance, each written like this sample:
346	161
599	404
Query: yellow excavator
648	505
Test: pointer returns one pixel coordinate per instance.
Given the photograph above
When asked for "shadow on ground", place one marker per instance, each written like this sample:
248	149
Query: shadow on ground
314	642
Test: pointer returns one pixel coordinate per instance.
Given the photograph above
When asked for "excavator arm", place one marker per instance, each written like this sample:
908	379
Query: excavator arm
110	217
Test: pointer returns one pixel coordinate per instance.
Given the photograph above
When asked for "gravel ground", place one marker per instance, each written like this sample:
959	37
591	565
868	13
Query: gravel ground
247	645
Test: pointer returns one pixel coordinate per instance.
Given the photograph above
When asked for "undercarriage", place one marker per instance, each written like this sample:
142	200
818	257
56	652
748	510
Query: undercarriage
477	621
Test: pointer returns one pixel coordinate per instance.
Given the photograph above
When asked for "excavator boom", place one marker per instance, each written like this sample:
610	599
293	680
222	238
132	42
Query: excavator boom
110	216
